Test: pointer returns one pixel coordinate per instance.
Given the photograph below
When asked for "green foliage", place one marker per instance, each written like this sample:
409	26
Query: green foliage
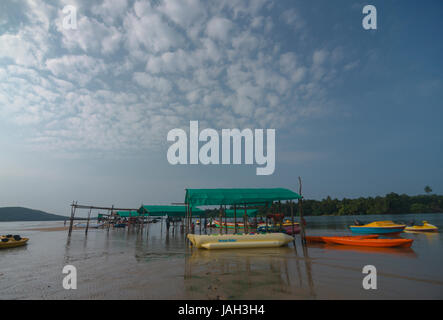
392	203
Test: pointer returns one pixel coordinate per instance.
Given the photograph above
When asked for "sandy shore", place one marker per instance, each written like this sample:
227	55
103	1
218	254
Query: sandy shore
62	228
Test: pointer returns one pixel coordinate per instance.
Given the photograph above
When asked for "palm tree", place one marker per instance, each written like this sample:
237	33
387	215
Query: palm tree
428	189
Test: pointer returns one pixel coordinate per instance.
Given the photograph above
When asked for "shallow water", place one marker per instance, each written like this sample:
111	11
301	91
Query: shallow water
122	264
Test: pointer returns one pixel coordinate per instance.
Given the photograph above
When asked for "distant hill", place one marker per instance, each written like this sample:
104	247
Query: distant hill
25	214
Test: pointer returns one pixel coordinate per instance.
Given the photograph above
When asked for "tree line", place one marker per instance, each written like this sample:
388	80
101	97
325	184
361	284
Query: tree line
392	203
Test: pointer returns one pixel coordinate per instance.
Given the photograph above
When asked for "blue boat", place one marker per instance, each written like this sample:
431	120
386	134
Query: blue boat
378	227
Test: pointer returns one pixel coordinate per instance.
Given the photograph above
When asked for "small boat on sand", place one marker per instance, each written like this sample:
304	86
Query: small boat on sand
10	241
426	227
380	243
378	227
236	241
322	239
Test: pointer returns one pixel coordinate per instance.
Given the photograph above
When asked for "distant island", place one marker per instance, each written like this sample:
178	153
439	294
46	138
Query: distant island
26	214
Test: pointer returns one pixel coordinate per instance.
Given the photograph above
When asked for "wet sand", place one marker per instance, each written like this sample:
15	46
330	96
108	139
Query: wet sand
122	264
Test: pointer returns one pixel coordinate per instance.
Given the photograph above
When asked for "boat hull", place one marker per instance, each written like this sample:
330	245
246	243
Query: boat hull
322	239
376	230
380	243
229	225
426	227
236	241
13	243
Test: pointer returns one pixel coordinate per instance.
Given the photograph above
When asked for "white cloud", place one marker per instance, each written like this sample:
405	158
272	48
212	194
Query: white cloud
133	70
218	28
80	69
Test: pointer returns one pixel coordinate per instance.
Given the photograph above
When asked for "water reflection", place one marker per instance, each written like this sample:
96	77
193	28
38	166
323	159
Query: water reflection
260	273
405	252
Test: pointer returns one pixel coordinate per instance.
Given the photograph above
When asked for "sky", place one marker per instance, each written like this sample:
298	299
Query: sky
84	113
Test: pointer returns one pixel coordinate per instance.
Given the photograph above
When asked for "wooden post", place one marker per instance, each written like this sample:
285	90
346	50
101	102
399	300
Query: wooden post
109	217
221	220
143	221
186	218
71	220
190	219
235	218
200	220
300	204
226	222
87	223
293	228
246	221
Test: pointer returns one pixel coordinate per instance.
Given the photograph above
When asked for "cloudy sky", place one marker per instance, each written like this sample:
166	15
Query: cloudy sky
84	113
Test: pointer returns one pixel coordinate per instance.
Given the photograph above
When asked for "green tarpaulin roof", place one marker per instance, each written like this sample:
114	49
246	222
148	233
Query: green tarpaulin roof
172	211
241	212
124	214
202	197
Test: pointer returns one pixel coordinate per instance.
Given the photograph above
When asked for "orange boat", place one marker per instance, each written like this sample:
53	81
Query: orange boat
381	243
322	239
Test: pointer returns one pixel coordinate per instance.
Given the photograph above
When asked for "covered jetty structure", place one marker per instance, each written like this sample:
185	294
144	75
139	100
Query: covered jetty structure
241	199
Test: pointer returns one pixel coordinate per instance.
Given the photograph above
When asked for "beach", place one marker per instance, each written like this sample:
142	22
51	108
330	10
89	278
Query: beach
153	264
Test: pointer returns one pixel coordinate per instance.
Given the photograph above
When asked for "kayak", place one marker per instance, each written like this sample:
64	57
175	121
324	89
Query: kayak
230	225
378	227
381	243
235	241
426	227
12	242
322	239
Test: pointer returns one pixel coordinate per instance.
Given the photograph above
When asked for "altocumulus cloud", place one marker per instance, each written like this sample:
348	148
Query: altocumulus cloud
135	69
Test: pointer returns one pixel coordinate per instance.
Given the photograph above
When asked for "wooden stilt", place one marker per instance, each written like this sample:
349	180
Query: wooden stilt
109	217
221	220
300	204
246	226
87	223
226	222
235	218
186	219
190	220
292	221
200	220
71	219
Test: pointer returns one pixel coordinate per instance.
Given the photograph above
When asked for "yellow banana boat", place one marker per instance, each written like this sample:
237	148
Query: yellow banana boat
12	241
426	227
234	241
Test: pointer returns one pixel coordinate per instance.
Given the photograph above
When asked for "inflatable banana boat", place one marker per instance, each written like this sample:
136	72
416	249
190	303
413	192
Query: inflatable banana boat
233	241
